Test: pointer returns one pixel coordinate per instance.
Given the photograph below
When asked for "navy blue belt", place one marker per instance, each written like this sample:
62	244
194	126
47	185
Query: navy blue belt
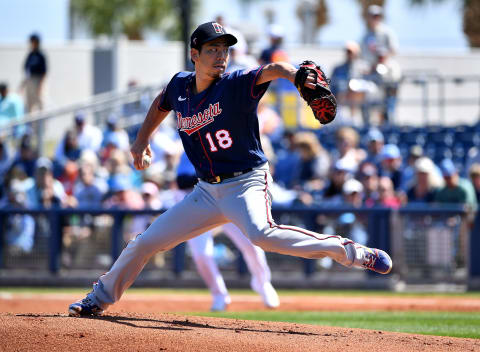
223	177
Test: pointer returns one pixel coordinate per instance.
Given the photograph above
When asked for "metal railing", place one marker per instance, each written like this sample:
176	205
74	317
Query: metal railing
428	244
437	91
99	106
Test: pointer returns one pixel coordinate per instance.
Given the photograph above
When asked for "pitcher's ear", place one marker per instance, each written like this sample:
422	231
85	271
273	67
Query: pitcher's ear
194	54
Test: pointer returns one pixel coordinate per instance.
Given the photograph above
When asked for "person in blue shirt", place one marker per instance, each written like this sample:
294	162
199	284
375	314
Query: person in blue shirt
218	125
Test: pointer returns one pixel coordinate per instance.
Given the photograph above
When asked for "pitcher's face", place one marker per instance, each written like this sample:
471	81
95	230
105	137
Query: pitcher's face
212	59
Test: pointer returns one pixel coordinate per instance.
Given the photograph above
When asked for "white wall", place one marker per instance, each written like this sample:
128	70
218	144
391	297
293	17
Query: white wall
70	71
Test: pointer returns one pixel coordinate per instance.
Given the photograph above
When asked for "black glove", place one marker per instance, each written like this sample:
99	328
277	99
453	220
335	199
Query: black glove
321	100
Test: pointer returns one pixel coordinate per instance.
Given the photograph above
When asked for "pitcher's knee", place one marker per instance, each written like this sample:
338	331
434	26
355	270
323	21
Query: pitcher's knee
258	236
143	246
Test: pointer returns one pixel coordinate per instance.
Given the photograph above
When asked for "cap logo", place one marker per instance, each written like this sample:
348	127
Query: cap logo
194	41
218	28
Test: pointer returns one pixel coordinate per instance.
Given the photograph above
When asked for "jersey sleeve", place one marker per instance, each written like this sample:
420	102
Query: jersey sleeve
247	79
165	103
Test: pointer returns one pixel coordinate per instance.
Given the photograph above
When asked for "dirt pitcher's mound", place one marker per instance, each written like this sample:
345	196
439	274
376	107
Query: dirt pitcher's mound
121	331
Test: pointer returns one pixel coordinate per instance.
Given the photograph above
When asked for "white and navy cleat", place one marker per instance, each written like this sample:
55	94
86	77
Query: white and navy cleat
85	307
376	260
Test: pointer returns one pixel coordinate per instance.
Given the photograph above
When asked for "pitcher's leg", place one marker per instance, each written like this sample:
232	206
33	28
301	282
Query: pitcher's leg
251	213
192	216
202	253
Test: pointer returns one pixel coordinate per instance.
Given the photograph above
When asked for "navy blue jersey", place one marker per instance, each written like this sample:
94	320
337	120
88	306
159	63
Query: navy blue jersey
219	126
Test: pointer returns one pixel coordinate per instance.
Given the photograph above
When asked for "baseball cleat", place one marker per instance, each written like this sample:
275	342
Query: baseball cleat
376	260
85	307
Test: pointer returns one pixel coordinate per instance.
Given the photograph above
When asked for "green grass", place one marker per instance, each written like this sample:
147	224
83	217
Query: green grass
455	324
427	323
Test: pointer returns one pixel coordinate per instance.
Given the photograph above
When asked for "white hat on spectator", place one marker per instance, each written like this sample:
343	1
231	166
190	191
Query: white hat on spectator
276	31
44	163
149	188
346	164
352	46
352	186
424	165
375	10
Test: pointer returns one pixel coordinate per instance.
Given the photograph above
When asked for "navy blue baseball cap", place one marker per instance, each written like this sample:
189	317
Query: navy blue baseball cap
210	31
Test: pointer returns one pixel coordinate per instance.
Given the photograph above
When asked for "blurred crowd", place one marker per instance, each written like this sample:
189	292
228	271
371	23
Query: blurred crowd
91	166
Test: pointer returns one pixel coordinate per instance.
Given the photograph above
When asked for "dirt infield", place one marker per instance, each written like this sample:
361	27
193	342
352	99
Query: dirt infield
143	323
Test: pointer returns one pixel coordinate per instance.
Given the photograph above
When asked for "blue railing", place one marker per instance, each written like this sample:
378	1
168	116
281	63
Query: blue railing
378	222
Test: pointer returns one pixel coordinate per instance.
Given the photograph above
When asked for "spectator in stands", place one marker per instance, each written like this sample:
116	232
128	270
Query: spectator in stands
67	150
457	190
287	160
116	134
426	182
166	148
378	35
117	165
386	74
123	195
46	192
391	166
353	223
69	176
35	73
274	53
11	107
343	74
26	157
270	122
90	157
341	172
89	189
414	153
6	161
89	136
347	140
314	162
387	196
151	201
352	191
375	143
110	145
368	175
474	173
19	228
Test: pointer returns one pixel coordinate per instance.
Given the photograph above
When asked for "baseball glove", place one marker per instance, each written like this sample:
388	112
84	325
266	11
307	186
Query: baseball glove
321	100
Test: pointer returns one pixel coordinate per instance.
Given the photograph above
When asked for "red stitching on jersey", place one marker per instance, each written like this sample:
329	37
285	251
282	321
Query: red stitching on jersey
254	83
292	228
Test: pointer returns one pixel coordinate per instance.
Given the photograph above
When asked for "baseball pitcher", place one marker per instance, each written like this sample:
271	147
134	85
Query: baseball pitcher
218	124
